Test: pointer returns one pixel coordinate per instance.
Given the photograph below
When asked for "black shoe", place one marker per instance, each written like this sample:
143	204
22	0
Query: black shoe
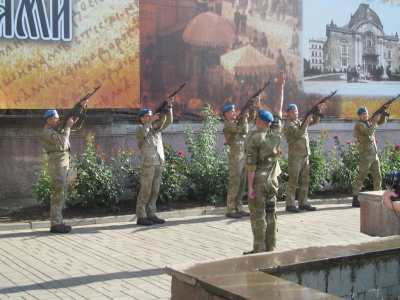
355	202
307	207
60	228
156	220
144	221
248	252
244	213
233	215
292	209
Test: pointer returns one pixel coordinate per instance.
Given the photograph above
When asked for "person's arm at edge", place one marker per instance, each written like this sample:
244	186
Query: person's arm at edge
386	198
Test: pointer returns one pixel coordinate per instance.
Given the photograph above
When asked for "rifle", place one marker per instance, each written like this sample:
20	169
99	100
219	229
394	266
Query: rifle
383	108
315	109
249	103
76	111
164	104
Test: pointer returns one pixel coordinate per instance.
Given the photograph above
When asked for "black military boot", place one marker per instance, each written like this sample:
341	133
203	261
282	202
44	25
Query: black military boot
62	228
156	220
144	221
355	203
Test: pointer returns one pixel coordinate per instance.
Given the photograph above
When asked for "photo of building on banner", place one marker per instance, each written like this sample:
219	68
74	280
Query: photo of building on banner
53	53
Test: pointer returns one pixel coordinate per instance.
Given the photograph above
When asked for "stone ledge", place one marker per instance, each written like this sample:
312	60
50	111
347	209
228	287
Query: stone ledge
375	218
252	276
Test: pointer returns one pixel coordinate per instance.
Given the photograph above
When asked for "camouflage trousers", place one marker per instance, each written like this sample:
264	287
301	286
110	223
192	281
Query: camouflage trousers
150	181
262	214
236	185
368	163
59	193
299	175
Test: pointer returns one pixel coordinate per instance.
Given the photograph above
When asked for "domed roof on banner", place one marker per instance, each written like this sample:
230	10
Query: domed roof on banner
247	61
364	14
209	29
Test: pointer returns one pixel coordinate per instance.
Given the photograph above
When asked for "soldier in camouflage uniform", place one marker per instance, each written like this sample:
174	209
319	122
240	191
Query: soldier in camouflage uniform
148	135
369	161
262	152
298	163
56	145
235	135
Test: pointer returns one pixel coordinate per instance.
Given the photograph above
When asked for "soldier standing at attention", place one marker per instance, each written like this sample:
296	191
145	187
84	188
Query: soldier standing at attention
298	163
262	152
365	135
148	136
235	135
56	145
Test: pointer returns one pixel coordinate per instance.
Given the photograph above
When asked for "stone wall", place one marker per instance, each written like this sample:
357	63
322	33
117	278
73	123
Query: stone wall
21	148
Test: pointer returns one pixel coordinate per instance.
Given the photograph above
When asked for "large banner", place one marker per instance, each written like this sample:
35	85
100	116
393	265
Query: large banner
224	51
54	52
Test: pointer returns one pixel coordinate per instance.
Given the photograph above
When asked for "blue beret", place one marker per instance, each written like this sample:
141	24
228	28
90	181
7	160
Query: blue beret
49	113
144	111
228	108
291	107
361	110
265	115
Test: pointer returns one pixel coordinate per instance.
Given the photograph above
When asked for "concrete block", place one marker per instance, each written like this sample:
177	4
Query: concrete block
192	212
389	272
315	280
393	292
40	224
375	218
216	211
15	226
81	222
110	219
339	281
365	277
374	294
130	218
290	277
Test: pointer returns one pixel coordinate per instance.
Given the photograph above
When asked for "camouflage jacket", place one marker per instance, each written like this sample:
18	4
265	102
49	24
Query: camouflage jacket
149	140
263	149
56	146
365	135
235	135
297	136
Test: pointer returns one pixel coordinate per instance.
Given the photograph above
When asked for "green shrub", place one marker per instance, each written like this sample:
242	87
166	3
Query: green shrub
389	160
42	187
209	166
97	184
175	178
319	170
124	164
344	165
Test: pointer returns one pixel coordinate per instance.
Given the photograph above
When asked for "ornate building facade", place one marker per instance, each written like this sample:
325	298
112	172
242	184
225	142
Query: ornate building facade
361	44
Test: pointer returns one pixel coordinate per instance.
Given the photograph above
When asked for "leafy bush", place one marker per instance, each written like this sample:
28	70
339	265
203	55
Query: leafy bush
124	164
319	170
175	178
209	167
42	187
96	184
389	160
344	164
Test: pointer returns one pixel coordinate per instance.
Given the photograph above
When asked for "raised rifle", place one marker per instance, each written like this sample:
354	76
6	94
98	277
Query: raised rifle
383	108
161	108
76	111
315	109
249	103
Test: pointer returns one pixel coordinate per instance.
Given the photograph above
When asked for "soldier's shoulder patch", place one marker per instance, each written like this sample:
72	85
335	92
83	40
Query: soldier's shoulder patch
249	158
